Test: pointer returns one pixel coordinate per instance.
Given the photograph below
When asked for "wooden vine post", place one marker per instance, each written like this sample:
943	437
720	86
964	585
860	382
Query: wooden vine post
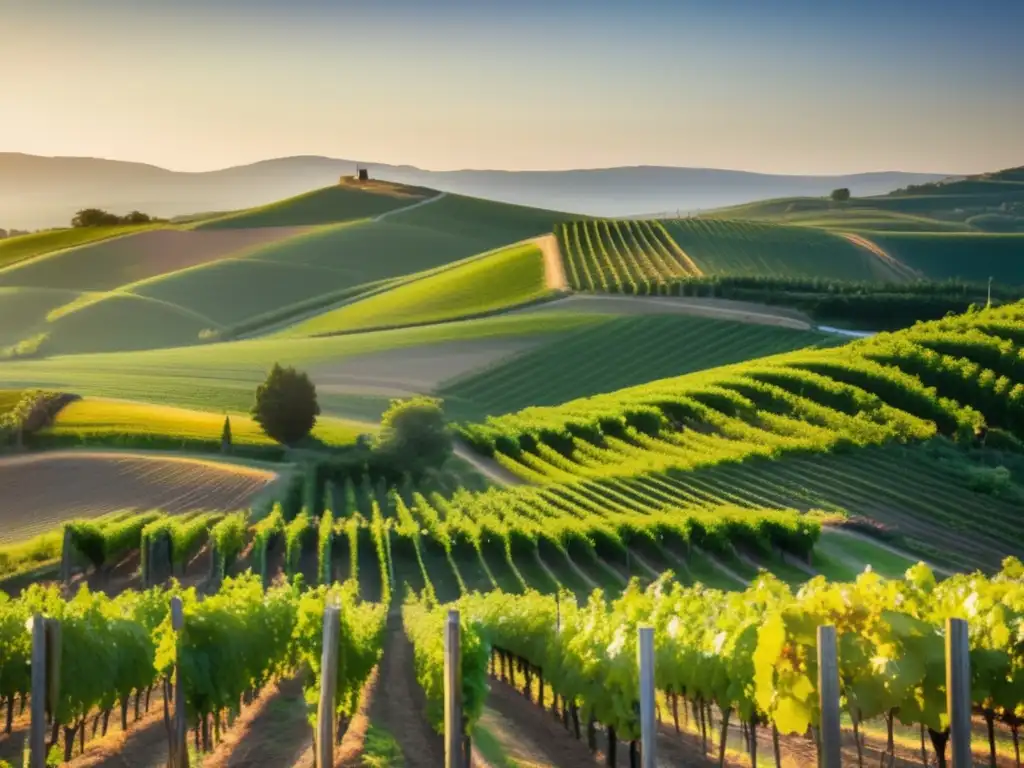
178	745
453	741
328	686
648	722
37	728
830	744
958	692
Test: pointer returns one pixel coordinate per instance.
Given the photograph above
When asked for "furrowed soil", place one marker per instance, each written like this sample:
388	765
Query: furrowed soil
39	491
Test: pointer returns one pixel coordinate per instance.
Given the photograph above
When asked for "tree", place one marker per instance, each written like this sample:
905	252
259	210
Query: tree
286	406
3	233
414	435
94	217
137	217
841	195
225	436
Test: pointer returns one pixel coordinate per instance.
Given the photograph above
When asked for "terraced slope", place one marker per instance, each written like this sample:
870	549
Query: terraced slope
482	285
643	348
947	381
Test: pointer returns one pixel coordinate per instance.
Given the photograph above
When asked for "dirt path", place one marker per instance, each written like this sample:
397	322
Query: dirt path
485	466
888	259
554	267
399	705
530	736
721	309
271	733
436	198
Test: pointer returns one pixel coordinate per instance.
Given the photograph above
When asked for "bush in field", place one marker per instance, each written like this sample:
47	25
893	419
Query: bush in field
414	435
840	195
286	405
97	217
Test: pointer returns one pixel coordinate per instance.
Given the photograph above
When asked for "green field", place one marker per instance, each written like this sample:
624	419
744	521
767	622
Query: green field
22	247
483	285
969	256
99	422
223	376
645	348
330	205
733	247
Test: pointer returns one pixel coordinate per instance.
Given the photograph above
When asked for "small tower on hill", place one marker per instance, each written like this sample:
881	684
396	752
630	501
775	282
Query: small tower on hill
362	174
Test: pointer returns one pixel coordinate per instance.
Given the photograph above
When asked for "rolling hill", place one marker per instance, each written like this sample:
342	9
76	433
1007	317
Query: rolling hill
37	192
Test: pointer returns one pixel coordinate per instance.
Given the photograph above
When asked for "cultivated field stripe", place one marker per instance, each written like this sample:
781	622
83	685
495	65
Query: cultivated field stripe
554	270
897	266
659	229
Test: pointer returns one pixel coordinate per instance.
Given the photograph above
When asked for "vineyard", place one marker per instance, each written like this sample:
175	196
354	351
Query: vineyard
643	257
946	382
647	347
746	657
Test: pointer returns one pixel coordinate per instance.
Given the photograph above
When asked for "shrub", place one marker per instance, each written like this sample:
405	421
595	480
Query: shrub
414	436
286	406
840	195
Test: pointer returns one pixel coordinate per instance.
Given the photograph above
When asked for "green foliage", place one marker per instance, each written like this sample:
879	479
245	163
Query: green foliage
325	541
360	642
96	217
840	195
414	436
286	405
225	436
296	535
229	536
270	526
425	626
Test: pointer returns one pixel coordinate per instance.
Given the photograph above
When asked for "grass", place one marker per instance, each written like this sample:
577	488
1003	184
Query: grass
22	247
507	278
95	421
732	247
342	202
967	256
645	348
224	376
23	311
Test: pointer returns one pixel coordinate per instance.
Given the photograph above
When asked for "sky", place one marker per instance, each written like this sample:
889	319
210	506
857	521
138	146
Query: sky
776	86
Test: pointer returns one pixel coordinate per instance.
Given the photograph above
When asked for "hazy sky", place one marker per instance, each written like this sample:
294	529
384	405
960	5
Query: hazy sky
784	86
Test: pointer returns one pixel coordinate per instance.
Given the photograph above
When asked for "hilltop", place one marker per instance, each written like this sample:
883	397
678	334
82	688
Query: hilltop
38	192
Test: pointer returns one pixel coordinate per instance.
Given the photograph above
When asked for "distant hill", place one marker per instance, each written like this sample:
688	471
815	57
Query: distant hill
38	192
987	202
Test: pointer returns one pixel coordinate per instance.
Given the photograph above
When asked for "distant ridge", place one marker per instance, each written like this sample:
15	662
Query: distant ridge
38	192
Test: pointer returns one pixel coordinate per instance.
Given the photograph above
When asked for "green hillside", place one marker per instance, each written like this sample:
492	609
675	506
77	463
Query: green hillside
177	287
969	256
346	201
616	353
506	278
991	202
939	384
21	247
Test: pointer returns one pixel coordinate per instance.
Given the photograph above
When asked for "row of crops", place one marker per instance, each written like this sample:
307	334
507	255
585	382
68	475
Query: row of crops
644	257
646	347
621	256
234	643
958	380
750	655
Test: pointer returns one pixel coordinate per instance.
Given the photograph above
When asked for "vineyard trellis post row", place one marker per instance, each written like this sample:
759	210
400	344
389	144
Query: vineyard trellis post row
37	727
648	723
958	692
328	684
828	693
178	752
453	741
